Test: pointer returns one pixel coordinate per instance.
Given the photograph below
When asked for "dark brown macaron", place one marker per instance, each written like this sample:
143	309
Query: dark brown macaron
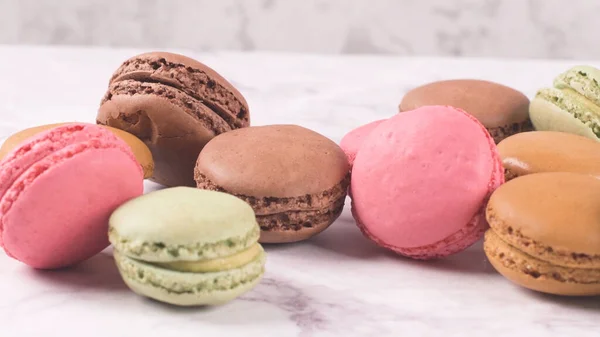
504	111
295	179
175	105
549	151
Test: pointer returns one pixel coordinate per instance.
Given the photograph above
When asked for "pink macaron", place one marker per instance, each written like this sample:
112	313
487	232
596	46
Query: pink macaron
353	140
57	191
421	180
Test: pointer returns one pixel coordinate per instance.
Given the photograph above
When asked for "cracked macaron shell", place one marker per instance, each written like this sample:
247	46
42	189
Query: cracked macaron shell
140	150
183	224
549	151
501	109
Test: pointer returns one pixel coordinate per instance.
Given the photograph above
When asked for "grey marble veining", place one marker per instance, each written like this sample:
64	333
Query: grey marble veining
336	284
490	28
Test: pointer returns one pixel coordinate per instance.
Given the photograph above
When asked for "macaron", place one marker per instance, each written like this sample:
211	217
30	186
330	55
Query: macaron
294	178
421	180
187	247
549	151
140	150
545	232
353	140
174	104
501	109
58	190
572	105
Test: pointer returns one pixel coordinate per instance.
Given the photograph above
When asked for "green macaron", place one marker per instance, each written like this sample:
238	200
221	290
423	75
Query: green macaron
187	246
572	105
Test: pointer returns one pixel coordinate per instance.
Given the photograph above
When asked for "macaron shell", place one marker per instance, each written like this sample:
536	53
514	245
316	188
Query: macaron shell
413	154
538	275
77	193
546	116
549	151
140	151
279	161
190	76
353	140
473	96
183	224
189	289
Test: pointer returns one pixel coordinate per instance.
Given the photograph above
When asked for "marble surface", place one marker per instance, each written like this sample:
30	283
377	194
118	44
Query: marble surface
336	284
498	28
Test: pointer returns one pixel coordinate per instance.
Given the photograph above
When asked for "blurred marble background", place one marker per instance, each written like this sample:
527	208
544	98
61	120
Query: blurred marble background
498	28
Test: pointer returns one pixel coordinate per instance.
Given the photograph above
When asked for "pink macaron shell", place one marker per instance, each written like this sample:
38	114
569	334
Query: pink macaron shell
56	212
42	145
353	140
421	180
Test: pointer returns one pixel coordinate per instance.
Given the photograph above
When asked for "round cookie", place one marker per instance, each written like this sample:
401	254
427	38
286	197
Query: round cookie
504	111
175	105
549	151
186	246
57	191
295	179
545	232
140	150
421	180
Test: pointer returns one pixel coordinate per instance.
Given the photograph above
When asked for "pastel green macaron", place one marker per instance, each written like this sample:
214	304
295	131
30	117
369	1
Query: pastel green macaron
572	105
187	246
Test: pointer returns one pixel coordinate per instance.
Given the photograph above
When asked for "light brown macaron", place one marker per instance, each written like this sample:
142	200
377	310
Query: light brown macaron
504	111
140	150
549	151
175	104
295	179
545	232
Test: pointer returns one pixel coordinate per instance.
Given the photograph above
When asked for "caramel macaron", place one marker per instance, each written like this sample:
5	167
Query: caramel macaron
545	232
295	179
549	151
175	104
504	111
140	150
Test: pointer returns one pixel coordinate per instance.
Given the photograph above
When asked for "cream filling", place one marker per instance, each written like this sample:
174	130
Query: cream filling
234	261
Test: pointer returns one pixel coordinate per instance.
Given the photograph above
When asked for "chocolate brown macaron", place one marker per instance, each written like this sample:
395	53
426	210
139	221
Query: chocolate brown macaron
295	179
549	151
504	111
175	105
545	232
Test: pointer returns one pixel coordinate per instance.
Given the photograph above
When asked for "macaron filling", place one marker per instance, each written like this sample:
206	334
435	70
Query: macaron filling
234	261
580	107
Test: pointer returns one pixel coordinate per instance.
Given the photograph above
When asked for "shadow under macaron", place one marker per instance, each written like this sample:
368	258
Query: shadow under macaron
99	272
584	303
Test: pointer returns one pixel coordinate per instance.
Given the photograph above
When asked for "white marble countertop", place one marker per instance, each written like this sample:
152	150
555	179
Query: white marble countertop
336	284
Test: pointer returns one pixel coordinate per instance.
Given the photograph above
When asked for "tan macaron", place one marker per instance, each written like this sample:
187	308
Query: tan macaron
549	151
504	111
545	232
139	149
